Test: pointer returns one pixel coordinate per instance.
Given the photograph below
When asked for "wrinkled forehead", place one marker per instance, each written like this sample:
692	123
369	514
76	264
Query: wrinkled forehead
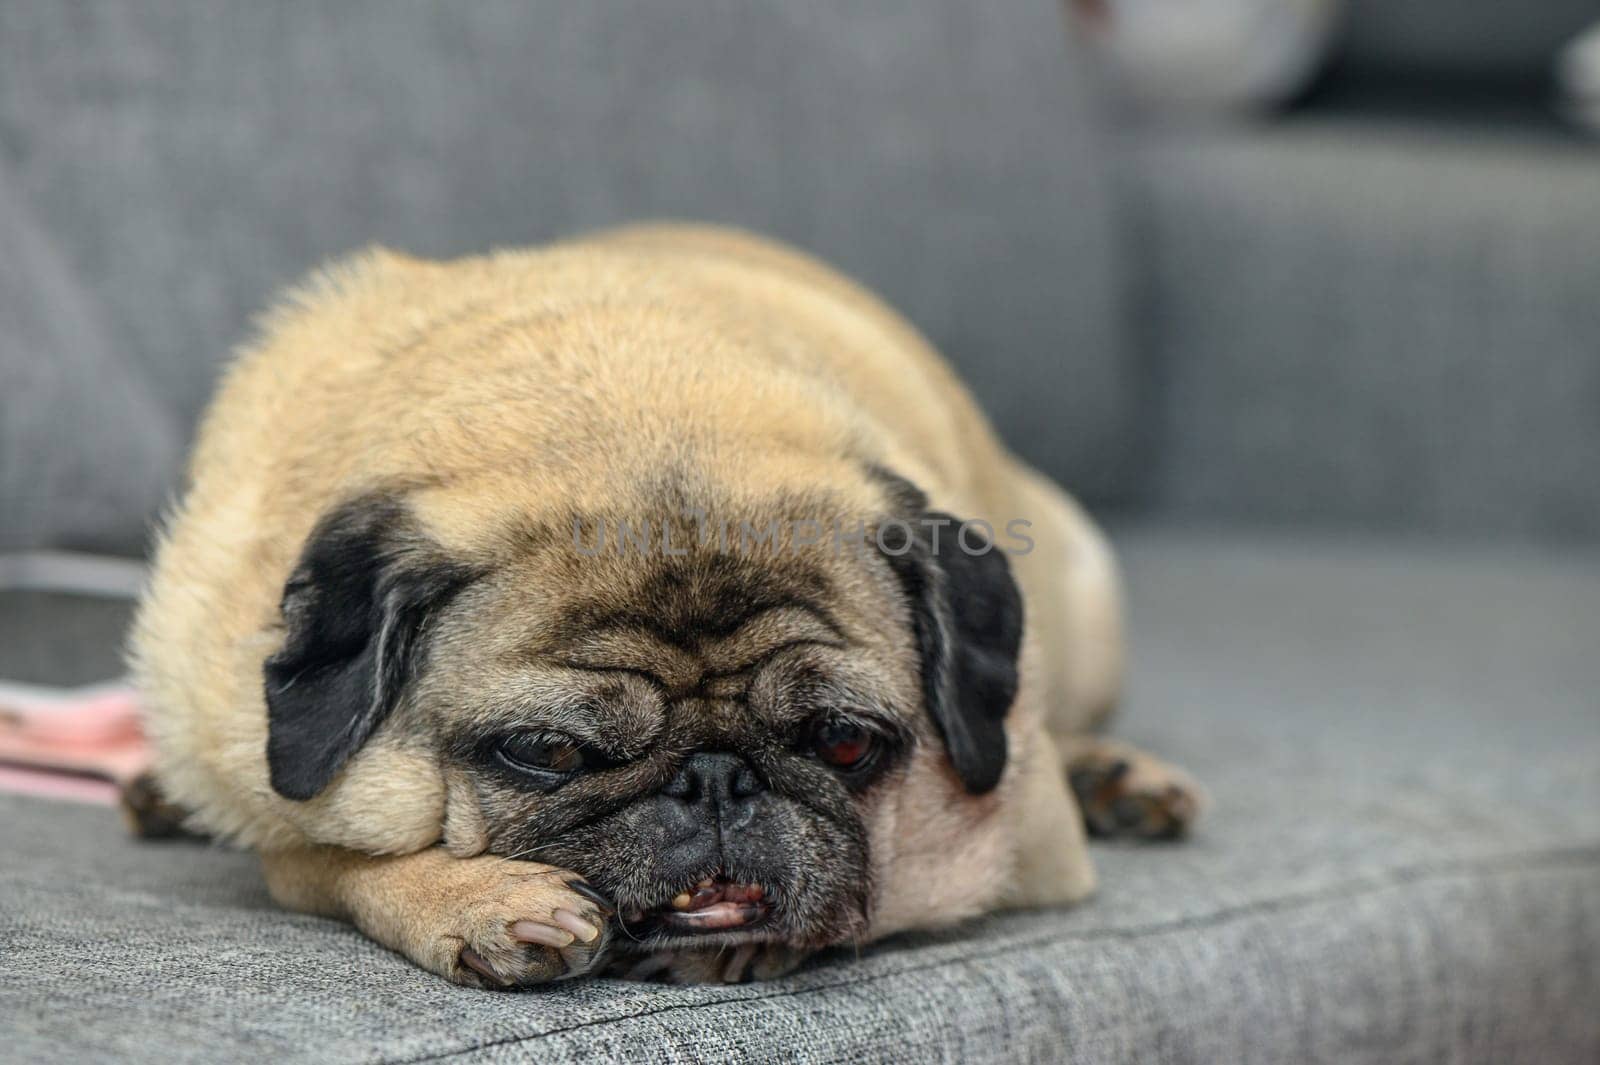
682	605
676	576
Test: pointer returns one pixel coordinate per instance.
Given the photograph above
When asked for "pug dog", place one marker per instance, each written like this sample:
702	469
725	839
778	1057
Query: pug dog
656	603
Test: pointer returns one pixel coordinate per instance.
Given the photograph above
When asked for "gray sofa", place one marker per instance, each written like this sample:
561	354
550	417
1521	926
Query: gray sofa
1332	378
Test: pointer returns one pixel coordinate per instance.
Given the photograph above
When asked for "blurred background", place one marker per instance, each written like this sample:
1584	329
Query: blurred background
1271	264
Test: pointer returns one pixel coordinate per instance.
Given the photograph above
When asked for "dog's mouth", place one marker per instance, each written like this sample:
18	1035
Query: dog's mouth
715	904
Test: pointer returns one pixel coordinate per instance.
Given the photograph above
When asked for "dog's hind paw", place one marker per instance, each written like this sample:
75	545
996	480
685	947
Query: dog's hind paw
1125	793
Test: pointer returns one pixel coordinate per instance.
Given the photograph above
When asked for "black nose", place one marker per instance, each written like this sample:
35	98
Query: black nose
714	779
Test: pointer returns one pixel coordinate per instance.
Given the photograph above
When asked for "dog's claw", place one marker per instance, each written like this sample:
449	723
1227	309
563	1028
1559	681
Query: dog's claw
582	887
474	961
542	934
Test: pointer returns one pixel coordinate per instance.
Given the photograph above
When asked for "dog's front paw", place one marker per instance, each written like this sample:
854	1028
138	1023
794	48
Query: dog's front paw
522	923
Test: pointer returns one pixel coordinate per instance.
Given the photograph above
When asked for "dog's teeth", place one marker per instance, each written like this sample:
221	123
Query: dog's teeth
742	892
681	901
707	882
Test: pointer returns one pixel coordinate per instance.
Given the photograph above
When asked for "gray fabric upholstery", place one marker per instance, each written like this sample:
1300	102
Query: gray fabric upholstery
1402	865
1492	37
182	160
61	640
86	451
1366	324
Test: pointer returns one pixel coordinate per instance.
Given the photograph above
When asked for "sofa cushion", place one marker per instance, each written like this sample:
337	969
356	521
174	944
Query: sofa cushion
1374	324
1402	863
189	158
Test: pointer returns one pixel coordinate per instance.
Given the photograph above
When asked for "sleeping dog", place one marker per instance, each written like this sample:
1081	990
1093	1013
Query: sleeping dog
655	603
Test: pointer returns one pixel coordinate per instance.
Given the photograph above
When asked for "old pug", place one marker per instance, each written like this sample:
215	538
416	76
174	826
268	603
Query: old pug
656	603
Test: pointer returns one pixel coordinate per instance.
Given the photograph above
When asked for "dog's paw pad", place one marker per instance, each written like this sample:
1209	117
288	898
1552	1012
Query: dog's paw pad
1135	797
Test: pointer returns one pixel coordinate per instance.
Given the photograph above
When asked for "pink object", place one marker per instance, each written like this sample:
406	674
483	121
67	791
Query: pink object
45	784
85	747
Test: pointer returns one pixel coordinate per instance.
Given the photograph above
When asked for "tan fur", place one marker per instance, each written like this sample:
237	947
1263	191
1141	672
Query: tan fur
495	387
429	904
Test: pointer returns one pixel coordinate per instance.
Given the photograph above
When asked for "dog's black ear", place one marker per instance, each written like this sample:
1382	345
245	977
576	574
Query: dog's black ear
354	609
966	612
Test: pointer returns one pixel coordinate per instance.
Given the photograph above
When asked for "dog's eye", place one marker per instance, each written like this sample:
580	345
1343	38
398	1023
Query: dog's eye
541	752
842	743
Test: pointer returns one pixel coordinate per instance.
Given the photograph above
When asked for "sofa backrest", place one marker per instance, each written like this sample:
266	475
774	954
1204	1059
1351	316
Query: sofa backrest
177	162
1493	38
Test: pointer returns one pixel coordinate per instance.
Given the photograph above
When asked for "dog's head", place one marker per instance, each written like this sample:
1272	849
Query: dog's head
783	721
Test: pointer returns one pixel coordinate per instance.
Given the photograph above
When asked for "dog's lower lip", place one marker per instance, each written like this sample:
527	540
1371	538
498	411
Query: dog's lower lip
714	904
717	917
